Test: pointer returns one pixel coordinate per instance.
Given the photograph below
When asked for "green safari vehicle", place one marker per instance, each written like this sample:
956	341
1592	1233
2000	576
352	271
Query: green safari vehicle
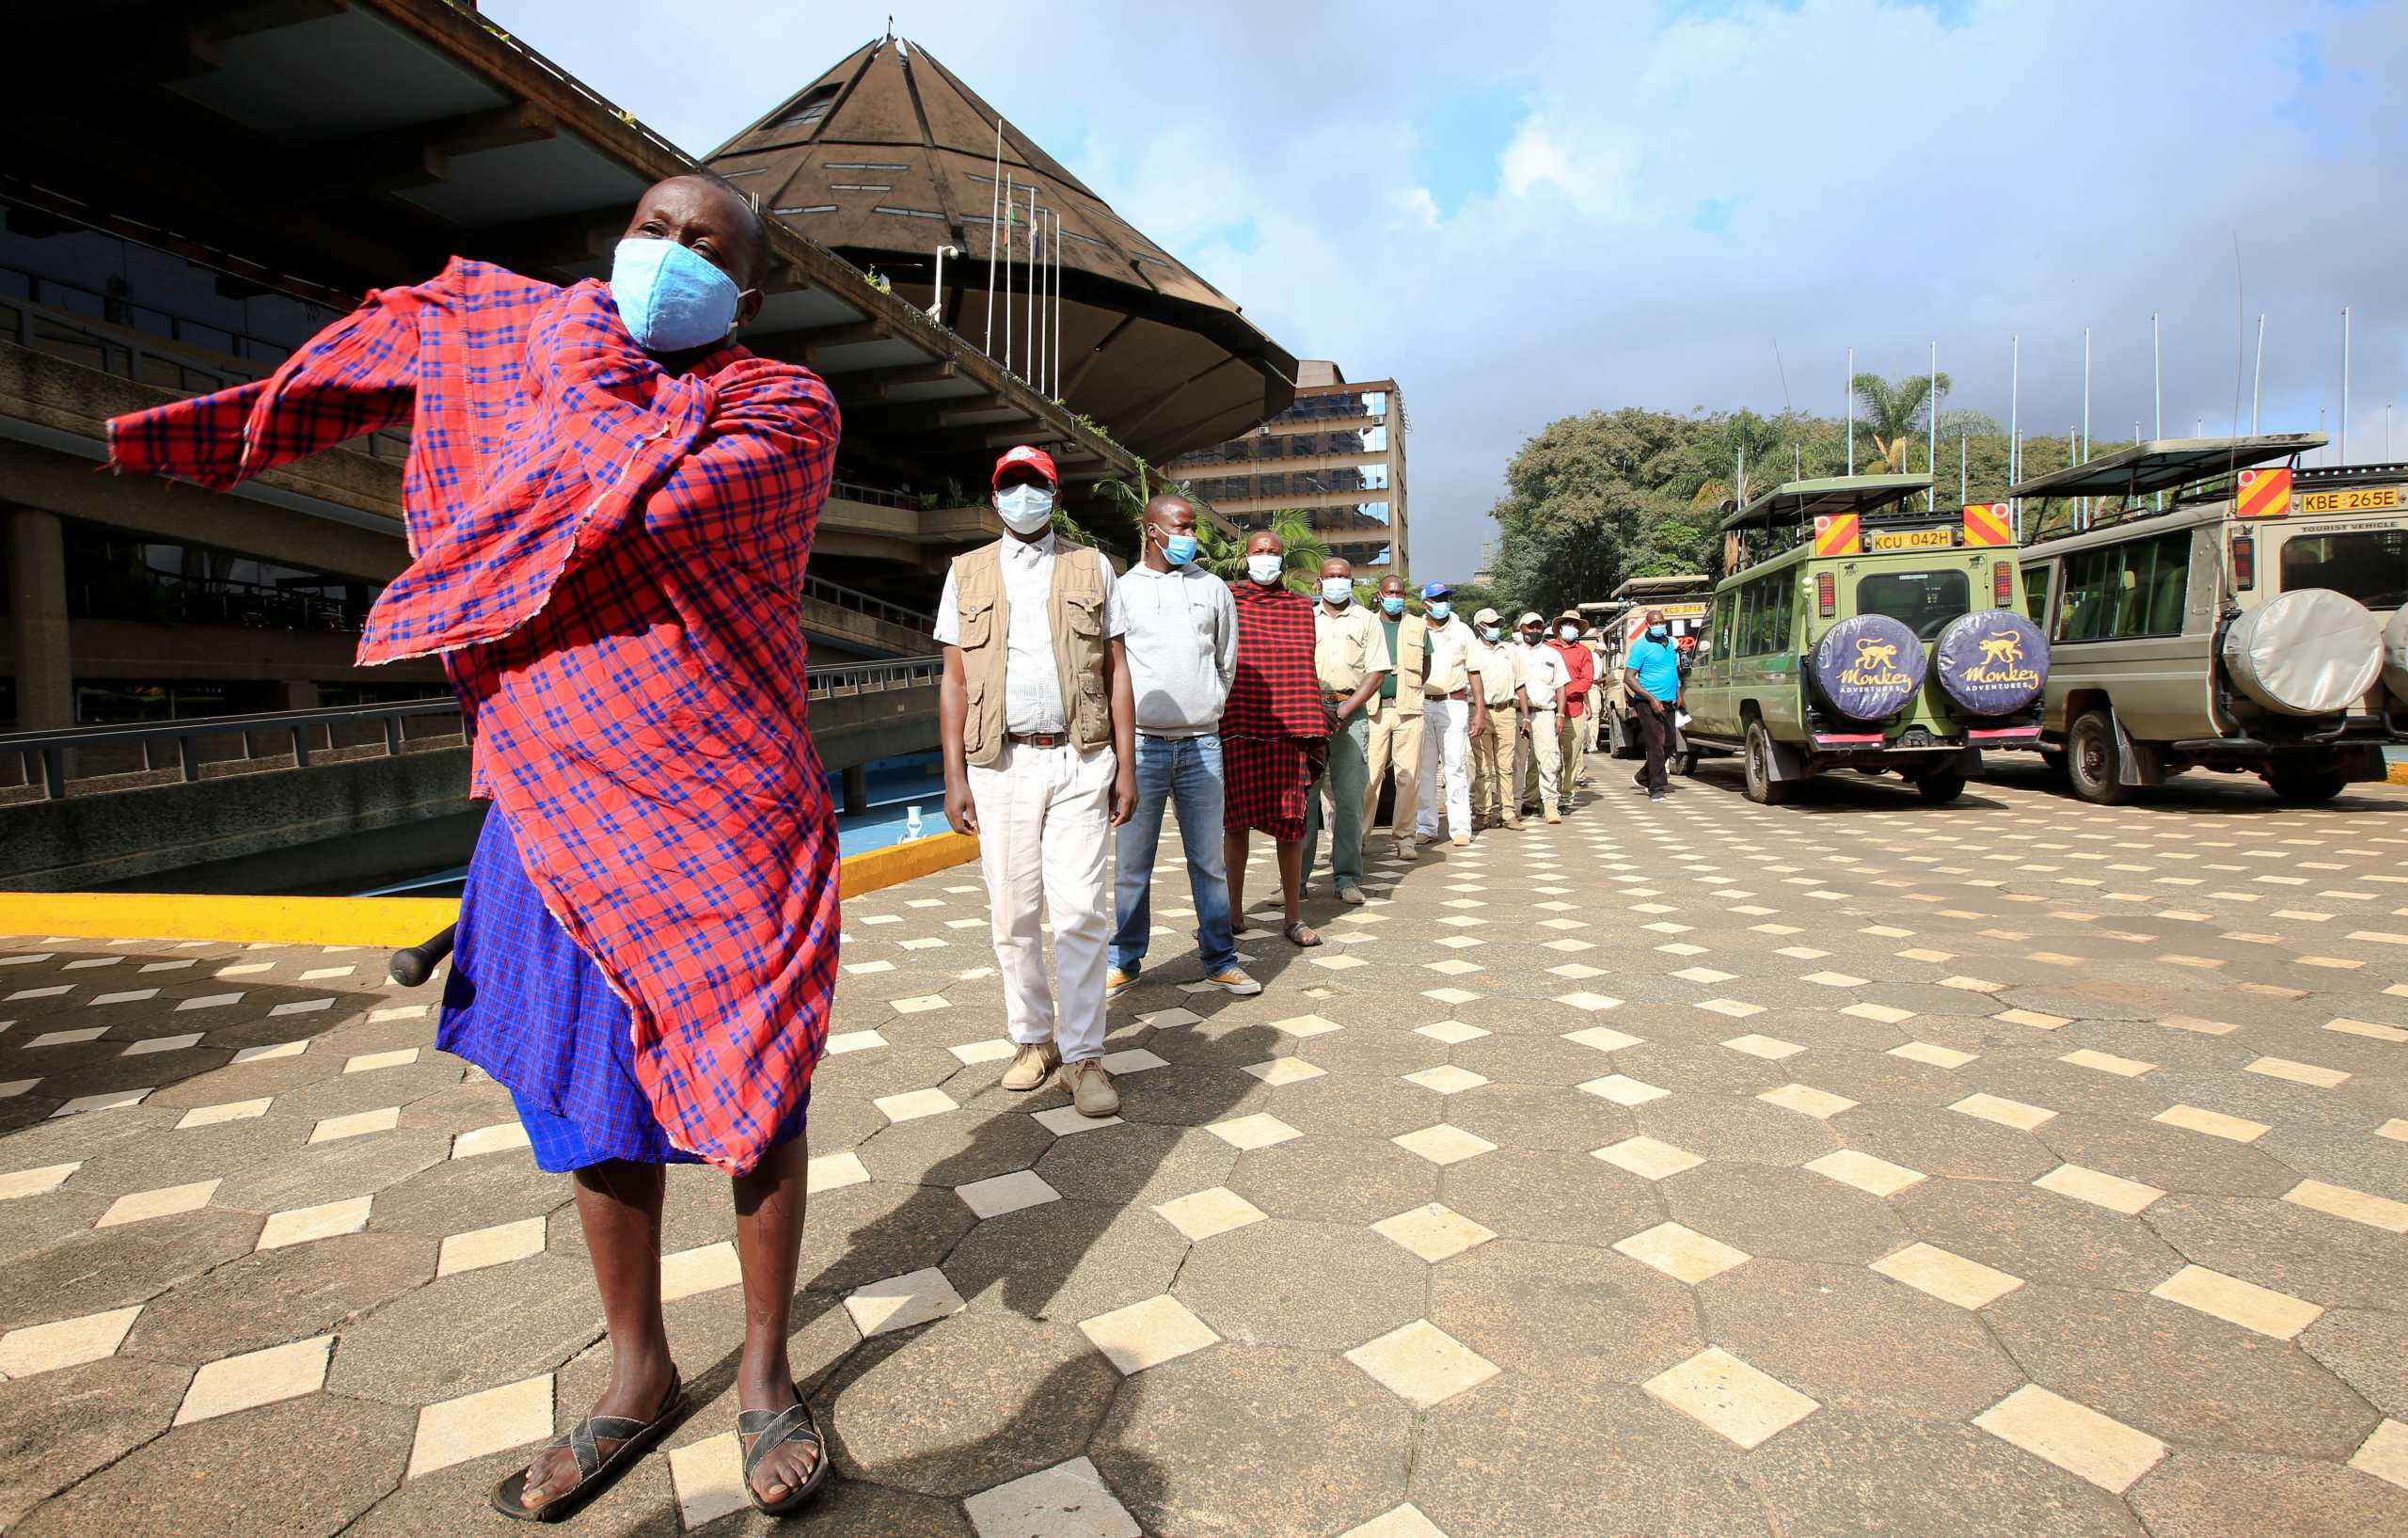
1860	631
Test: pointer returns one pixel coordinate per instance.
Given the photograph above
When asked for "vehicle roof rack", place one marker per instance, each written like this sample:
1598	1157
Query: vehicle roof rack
2166	464
1795	502
2351	475
1640	587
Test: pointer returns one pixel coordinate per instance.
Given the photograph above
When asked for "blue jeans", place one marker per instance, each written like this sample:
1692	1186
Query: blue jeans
1185	771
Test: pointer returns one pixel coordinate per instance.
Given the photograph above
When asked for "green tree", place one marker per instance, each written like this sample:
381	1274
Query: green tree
1224	555
1896	412
1593	498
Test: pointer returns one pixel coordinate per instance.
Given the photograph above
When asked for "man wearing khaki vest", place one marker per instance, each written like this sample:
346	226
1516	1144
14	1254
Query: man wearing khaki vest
1038	727
1395	743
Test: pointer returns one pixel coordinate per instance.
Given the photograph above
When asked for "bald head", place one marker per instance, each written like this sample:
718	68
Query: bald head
1263	542
717	222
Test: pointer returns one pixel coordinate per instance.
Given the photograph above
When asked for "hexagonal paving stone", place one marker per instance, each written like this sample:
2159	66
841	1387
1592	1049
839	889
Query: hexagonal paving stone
966	1404
1844	1336
1564	1312
1313	1285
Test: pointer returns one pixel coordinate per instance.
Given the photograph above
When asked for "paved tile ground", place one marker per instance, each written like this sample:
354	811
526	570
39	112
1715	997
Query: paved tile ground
2016	1167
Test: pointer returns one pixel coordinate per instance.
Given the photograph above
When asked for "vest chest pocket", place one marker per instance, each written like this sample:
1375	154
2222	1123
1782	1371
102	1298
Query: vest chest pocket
1085	610
977	620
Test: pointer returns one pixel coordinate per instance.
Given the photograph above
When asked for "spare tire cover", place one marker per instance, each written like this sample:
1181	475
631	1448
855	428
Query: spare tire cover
2313	652
1992	661
1869	667
2394	652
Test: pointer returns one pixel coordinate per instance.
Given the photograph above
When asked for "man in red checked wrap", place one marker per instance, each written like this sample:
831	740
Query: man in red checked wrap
1274	730
610	508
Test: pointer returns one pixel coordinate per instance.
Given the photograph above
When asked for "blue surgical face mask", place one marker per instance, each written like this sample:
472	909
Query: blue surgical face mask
671	298
1391	606
1178	549
1337	590
1439	609
1025	509
1492	634
1658	632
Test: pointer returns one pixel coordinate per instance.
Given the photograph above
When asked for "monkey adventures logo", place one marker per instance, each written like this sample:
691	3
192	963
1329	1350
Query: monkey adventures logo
1876	665
1992	663
2001	664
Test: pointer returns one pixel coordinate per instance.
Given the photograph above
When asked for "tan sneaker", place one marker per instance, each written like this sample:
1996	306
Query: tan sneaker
1090	1085
1463	841
1116	982
1352	894
1234	979
1407	850
1029	1065
1552	815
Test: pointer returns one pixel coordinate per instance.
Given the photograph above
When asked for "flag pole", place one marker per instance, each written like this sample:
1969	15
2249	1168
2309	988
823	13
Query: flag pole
1852	411
1010	218
995	222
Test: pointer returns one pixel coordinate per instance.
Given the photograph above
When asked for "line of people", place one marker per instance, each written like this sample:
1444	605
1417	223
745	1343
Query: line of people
1076	703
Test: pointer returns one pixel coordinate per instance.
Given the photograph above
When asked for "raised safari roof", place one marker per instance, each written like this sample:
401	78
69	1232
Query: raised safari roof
1645	587
1803	501
2166	464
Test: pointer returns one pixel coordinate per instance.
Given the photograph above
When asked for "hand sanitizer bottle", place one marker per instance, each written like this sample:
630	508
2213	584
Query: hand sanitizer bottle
911	822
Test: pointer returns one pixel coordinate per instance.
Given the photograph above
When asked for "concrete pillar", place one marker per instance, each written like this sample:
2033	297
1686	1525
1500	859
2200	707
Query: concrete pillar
857	790
37	619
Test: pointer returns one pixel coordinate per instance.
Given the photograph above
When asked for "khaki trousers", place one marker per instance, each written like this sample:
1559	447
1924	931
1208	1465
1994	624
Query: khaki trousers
1544	767
1395	748
1494	786
1571	752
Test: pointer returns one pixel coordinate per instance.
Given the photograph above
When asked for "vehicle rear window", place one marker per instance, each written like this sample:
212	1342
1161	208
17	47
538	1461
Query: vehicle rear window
2371	567
1925	601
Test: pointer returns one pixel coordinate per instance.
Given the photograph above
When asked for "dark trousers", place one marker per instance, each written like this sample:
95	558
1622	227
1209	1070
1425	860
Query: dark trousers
1656	730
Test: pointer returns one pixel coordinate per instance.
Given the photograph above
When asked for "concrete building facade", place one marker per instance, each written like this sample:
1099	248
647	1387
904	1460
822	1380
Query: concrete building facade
1336	456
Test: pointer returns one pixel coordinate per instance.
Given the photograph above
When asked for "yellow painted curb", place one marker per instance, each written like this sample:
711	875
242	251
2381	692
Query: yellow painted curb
872	869
175	916
386	922
2397	773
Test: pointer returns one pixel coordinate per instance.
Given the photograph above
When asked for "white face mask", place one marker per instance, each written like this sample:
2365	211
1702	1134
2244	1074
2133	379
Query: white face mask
1025	509
1265	570
1567	632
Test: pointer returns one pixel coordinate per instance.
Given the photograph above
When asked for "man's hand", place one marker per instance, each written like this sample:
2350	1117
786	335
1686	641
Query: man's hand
1479	718
960	810
1124	794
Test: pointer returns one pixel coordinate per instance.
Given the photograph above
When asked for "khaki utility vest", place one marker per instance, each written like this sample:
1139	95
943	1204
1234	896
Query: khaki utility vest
983	616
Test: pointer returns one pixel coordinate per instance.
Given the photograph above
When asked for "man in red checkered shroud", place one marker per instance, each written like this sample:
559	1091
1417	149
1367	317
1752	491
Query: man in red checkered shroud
609	507
1274	730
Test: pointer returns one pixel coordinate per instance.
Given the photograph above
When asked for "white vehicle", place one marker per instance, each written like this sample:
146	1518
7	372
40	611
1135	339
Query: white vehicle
2255	623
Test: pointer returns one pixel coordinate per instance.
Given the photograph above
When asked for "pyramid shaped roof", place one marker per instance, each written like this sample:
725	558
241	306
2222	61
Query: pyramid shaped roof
889	155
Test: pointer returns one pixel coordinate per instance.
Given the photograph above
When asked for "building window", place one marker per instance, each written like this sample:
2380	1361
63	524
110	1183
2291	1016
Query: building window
814	207
907	213
861	186
109	702
813	107
867	166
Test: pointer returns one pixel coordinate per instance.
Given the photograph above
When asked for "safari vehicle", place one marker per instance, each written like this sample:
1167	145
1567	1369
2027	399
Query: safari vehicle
1685	601
2254	623
1859	631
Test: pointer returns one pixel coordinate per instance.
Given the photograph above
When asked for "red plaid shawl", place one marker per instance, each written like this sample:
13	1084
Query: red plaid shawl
607	557
1277	694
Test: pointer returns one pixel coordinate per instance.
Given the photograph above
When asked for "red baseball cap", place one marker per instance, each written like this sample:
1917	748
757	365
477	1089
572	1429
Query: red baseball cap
1036	459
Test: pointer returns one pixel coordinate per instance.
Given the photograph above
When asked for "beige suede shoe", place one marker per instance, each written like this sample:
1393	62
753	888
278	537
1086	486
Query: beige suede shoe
1029	1065
1090	1085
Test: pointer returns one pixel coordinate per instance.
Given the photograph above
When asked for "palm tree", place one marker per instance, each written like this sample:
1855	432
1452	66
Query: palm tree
1224	555
1715	458
1897	413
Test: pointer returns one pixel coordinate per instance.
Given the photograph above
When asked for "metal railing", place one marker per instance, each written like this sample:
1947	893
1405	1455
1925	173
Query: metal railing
862	603
123	352
44	753
49	750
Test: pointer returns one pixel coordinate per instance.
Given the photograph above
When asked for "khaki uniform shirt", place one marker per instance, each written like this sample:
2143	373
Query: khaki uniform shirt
1347	649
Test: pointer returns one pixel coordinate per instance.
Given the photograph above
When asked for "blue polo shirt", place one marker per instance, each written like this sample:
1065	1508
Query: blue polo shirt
1658	667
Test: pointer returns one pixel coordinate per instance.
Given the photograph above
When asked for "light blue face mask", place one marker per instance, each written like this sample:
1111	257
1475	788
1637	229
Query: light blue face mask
1438	609
671	298
1493	634
1658	632
1178	549
1391	607
1337	590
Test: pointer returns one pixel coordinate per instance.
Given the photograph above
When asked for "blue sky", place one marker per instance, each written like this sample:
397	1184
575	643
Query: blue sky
1523	211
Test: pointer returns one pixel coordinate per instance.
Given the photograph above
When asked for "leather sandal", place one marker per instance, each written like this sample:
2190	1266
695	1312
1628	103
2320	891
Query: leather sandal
595	1472
771	1430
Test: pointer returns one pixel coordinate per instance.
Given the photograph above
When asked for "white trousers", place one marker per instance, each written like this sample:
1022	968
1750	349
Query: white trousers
1044	816
1546	758
1446	742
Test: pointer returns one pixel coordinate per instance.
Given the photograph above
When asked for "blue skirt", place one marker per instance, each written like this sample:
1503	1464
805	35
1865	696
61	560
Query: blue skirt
529	1007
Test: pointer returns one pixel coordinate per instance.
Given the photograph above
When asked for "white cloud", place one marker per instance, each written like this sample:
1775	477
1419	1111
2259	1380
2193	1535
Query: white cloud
1676	195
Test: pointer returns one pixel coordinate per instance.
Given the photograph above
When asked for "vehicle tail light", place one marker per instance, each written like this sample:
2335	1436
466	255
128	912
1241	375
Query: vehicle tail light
2244	561
1827	594
2003	585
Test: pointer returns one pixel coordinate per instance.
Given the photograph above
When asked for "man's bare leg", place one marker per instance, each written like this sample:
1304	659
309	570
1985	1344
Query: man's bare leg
1291	888
770	1204
618	1203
